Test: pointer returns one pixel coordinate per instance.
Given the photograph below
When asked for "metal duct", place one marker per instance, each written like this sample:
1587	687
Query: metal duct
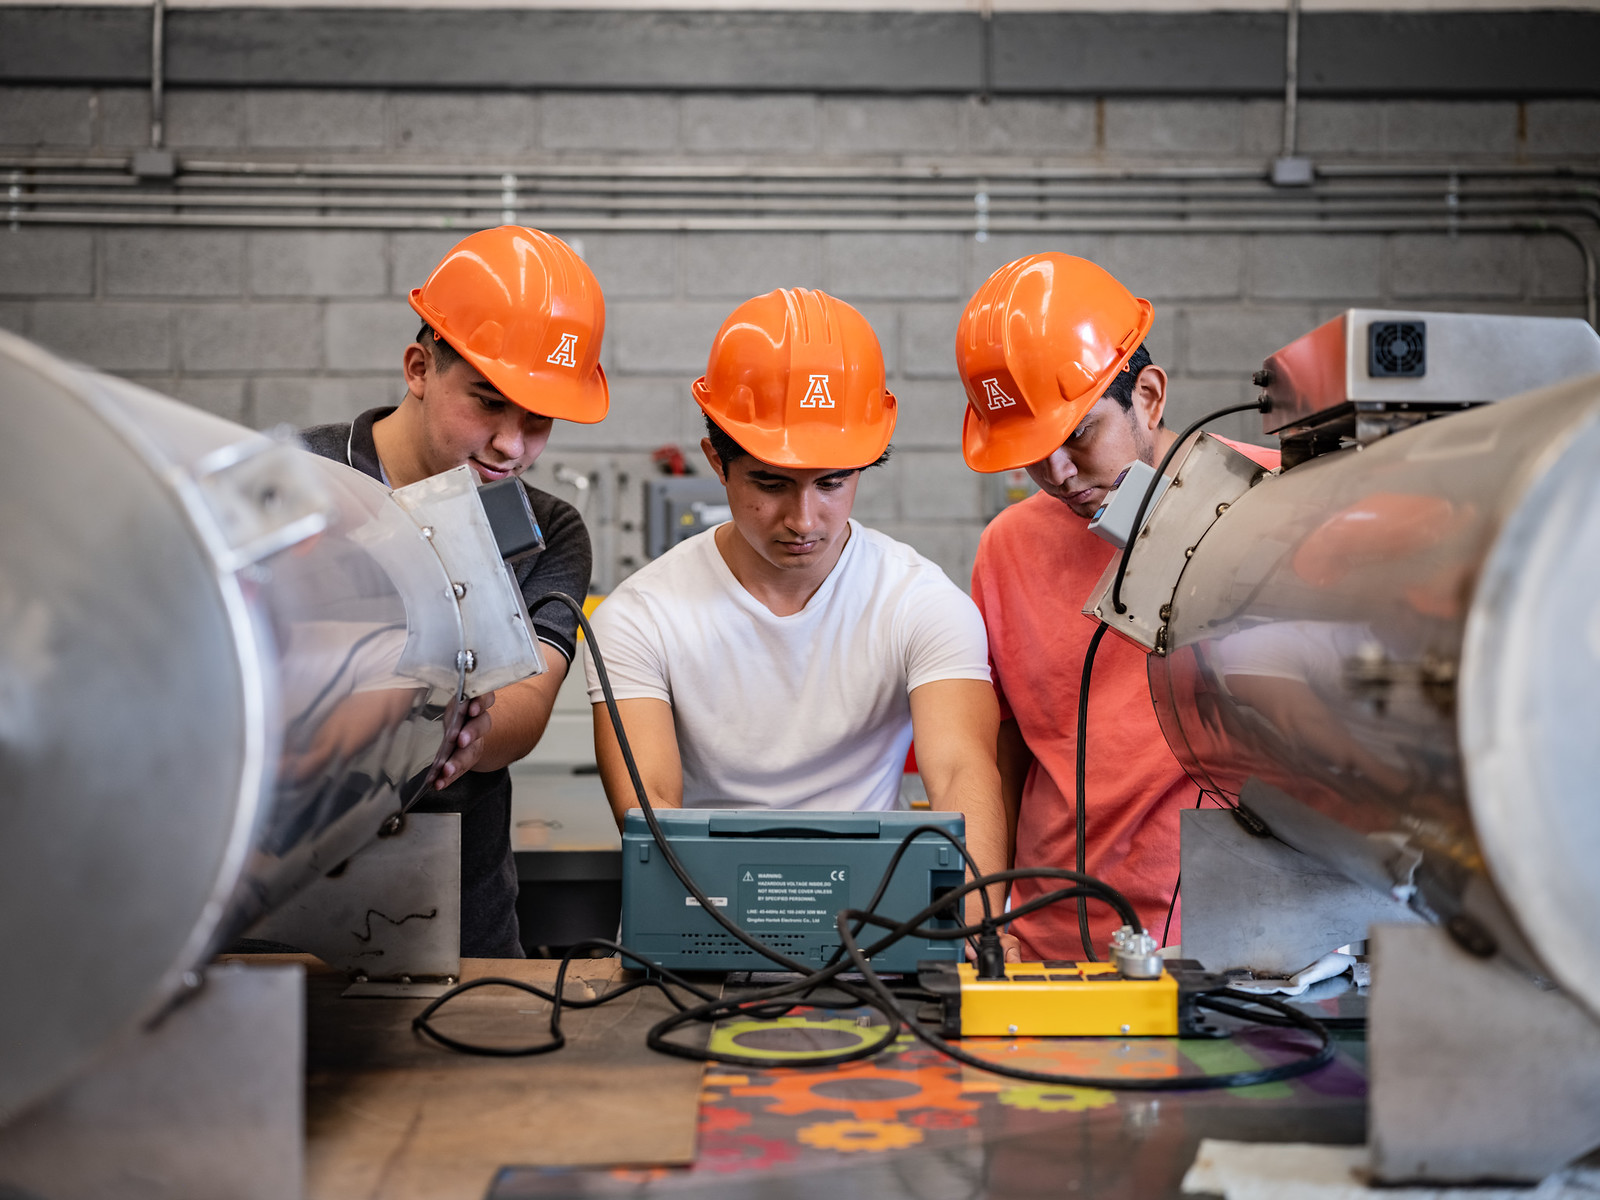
225	663
1402	641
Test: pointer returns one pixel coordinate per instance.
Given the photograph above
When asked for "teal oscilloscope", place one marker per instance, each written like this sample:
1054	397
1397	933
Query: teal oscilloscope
782	876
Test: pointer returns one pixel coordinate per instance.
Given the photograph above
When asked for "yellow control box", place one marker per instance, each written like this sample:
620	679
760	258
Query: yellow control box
1052	999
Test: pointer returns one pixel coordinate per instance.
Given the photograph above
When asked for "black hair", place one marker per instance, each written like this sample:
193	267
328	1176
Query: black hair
728	450
1121	388
445	355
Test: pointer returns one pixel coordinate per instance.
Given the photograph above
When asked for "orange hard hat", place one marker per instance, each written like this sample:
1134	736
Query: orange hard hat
527	312
796	378
1036	347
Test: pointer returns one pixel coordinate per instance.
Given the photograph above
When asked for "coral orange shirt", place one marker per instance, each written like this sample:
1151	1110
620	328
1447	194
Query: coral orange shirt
1036	565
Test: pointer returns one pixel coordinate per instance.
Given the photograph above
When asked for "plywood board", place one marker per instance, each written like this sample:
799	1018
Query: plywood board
393	1116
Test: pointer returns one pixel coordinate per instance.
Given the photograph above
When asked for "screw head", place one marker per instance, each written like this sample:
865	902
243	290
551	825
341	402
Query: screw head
1011	1028
1127	1029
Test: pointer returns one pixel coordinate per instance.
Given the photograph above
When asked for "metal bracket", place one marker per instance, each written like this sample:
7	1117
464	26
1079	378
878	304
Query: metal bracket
263	496
494	619
1209	478
390	916
1255	903
1477	1073
207	1103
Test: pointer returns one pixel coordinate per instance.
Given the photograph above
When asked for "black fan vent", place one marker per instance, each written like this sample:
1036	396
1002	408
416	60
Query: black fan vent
1397	348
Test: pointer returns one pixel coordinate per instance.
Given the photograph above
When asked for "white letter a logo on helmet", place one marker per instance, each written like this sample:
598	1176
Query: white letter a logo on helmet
566	354
996	394
817	395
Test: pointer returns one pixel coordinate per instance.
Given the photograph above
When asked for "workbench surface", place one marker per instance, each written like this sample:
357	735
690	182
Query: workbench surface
914	1124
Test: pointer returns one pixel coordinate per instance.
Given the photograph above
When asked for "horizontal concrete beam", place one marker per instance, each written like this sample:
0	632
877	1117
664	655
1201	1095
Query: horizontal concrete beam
1369	53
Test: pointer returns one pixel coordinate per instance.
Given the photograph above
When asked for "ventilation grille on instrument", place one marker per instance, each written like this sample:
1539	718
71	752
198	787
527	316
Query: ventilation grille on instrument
1397	349
716	945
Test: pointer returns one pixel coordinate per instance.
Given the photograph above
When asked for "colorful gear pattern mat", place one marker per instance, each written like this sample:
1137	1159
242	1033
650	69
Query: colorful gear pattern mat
913	1099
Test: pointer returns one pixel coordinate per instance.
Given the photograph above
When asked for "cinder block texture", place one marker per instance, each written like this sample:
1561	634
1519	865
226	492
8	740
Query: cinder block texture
988	256
1233	340
173	262
321	119
663	338
415	255
1170	267
930	413
596	122
47	116
885	322
1450	127
37	261
892	125
938	485
633	265
369	335
1295	267
225	397
878	492
1465	267
1189	399
1339	128
736	266
205	118
885	266
465	124
341	263
123	118
299	401
745	124
646	412
1555	268
249	337
114	337
1045	126
1570	128
928	339
1191	130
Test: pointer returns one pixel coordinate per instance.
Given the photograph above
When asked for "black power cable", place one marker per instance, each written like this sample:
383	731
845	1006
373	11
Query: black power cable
784	996
1082	811
1081	749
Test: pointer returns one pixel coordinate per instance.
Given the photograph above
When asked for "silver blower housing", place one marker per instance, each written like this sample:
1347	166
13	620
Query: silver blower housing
225	663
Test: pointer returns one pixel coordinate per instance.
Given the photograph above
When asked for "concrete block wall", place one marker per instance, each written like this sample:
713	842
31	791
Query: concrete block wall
268	327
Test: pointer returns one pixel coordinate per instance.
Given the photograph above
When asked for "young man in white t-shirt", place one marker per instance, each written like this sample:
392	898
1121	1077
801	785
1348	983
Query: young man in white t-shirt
788	657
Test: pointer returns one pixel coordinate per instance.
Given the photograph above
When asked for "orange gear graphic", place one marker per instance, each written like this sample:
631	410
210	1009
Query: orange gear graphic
852	1136
792	1095
939	1118
1051	1099
722	1120
726	1152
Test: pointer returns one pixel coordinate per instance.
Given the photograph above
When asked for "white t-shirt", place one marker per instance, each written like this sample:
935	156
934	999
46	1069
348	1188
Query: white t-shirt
811	710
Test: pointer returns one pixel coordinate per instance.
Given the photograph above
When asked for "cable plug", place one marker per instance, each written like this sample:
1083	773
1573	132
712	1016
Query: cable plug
991	956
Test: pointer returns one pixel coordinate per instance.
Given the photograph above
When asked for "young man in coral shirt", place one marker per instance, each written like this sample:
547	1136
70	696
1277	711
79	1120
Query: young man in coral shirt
1051	352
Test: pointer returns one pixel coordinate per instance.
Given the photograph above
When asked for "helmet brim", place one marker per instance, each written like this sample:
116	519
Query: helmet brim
584	402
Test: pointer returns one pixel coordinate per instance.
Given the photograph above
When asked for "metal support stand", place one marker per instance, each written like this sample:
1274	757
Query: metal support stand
1256	903
207	1103
391	916
1477	1073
